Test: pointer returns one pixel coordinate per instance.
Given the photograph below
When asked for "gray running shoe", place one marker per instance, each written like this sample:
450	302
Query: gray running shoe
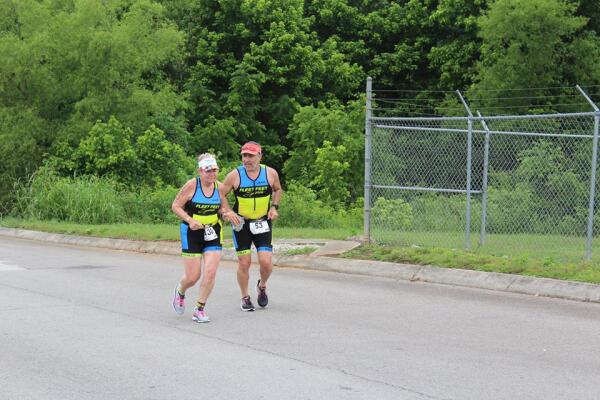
246	304
262	299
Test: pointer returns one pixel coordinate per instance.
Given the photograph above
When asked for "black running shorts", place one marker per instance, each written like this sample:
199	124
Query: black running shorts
193	243
243	239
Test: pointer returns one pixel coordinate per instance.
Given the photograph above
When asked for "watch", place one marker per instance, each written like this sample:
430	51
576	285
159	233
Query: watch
276	206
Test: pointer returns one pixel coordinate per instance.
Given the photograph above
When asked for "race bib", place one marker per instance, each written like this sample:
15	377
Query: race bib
209	233
259	226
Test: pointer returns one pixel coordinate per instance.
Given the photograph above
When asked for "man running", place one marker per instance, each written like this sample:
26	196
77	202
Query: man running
257	193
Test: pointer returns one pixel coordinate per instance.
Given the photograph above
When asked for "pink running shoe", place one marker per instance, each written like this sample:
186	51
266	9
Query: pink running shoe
200	316
178	301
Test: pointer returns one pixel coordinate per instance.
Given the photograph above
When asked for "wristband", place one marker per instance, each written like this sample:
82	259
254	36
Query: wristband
275	206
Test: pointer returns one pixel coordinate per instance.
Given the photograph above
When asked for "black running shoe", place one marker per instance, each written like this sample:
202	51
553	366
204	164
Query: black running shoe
246	304
262	298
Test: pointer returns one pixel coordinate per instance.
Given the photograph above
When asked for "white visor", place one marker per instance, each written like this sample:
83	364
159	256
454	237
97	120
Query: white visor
207	164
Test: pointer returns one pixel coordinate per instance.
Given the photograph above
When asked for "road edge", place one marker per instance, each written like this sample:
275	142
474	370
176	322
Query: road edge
535	286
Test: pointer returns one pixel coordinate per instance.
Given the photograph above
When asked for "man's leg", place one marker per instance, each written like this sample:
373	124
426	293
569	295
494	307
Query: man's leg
264	249
242	241
243	272
265	259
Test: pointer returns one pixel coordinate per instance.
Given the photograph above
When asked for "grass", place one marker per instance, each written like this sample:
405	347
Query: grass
169	232
555	247
300	250
558	257
119	231
480	261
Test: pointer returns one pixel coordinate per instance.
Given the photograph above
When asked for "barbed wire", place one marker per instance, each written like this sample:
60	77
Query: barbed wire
393	99
430	107
411	91
531	97
525	106
480	90
422	105
417	114
389	100
535	105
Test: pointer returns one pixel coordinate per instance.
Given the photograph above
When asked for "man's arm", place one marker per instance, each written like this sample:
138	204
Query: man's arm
229	183
184	195
273	177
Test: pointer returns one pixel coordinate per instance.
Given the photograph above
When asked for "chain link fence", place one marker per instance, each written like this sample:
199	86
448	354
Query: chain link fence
522	184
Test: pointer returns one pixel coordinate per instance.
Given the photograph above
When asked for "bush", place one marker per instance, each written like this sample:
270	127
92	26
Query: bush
329	170
95	200
392	214
301	208
150	205
440	212
510	211
113	150
92	200
87	199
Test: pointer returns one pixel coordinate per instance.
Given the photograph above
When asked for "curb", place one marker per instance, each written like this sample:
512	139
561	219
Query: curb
546	287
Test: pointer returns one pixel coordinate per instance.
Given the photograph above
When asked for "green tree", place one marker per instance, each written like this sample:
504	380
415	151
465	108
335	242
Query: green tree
108	151
22	142
160	161
534	44
218	136
68	64
112	150
410	44
329	171
589	9
453	56
253	64
342	128
109	54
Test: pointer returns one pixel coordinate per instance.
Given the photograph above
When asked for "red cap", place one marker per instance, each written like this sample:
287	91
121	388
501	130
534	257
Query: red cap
251	148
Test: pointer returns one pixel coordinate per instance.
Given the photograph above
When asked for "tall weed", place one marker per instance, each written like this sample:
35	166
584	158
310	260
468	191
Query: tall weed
85	199
150	205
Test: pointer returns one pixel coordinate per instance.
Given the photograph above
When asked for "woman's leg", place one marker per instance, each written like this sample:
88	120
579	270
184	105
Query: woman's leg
191	274
211	263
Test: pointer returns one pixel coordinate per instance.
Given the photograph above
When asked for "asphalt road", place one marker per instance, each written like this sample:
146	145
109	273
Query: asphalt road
87	323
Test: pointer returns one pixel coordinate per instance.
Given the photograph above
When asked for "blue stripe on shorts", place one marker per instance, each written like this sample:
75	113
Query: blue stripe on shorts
183	230
212	248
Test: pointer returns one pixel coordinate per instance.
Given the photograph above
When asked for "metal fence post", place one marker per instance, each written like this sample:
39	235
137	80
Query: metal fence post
484	195
368	138
592	205
592	200
469	167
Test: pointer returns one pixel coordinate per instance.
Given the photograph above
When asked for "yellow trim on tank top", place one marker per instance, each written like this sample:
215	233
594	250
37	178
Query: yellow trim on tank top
206	219
246	207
